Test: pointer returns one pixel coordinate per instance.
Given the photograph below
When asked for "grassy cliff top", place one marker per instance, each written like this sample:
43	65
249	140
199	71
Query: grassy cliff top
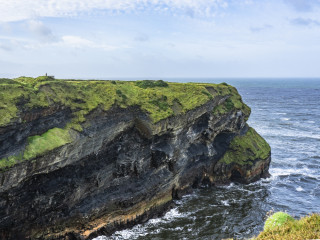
158	98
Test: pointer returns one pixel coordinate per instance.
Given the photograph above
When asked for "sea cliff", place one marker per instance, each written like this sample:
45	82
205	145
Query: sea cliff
83	158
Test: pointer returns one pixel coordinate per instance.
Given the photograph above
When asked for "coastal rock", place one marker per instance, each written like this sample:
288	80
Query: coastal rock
121	167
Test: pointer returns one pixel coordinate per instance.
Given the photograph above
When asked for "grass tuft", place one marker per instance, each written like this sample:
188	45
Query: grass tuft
151	83
50	140
277	220
282	226
38	145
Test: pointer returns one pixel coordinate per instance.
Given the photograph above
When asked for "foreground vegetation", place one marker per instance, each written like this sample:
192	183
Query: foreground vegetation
281	226
158	99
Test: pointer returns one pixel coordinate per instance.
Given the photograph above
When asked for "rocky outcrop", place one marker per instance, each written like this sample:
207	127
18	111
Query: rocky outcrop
121	168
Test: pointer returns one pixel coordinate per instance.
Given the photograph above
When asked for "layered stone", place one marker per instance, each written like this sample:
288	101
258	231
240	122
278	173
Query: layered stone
122	168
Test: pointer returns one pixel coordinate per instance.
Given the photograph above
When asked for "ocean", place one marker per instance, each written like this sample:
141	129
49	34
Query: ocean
286	113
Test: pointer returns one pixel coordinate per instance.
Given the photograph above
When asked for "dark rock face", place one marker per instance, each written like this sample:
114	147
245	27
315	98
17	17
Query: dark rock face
14	137
119	171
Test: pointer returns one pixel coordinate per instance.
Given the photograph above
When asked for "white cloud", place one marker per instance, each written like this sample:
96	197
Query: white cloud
79	42
68	41
14	43
16	10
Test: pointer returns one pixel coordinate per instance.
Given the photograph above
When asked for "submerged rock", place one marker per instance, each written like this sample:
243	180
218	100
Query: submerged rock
83	158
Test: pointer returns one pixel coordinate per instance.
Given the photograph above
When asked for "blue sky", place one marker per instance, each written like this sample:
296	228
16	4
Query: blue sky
160	38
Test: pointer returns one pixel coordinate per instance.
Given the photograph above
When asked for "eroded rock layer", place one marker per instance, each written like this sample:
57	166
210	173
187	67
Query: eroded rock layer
121	168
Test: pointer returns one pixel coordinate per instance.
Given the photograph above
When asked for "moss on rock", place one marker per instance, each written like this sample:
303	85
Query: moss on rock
50	140
247	148
233	102
38	145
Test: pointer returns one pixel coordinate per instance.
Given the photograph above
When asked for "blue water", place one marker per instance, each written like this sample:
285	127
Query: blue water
286	113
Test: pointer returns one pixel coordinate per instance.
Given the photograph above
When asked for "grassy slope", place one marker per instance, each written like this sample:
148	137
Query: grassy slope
233	102
245	149
305	228
157	98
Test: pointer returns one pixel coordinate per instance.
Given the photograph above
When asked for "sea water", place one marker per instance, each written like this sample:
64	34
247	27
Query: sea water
286	113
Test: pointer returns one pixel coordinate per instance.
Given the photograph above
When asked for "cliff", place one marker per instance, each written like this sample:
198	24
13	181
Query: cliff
83	158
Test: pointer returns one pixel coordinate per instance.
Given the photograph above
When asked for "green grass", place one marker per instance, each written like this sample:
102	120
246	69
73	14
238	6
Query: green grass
10	161
50	140
281	226
151	83
276	220
156	98
245	149
234	102
38	145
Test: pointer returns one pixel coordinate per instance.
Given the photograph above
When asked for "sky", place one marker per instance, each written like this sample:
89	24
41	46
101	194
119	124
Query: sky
158	39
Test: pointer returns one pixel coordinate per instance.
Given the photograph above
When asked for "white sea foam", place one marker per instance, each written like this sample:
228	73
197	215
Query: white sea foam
225	202
276	132
280	172
100	238
225	228
155	220
285	119
286	172
141	230
129	234
173	213
231	185
299	189
292	159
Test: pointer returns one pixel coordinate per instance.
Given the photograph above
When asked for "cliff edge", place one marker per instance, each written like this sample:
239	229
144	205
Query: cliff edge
83	158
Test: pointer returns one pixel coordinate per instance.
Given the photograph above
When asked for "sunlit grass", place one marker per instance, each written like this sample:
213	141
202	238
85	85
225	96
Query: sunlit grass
155	97
50	140
304	228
